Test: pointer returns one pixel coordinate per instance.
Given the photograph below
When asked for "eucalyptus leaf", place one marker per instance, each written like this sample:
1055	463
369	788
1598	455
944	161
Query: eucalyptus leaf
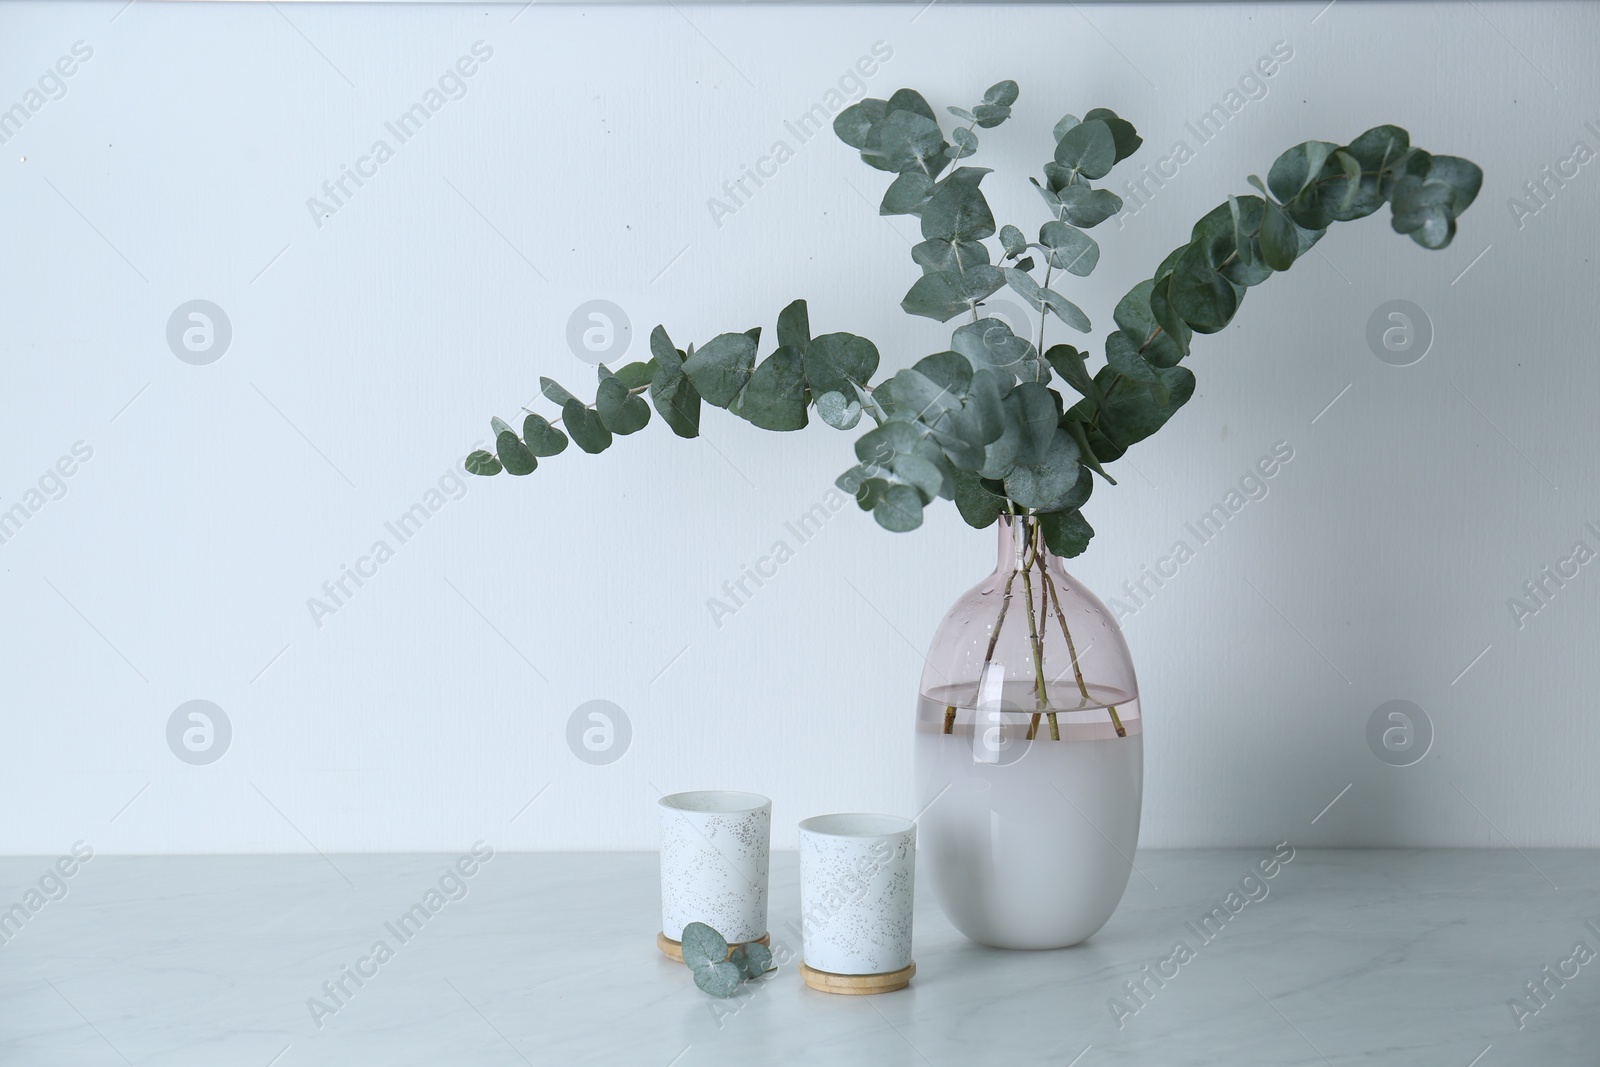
662	351
1122	356
676	399
542	438
1085	206
957	212
1012	240
907	194
1136	317
910	100
514	455
1069	249
881	444
836	360
1086	454
989	342
753	959
1123	135
979	508
776	397
1003	93
720	369
1048	480
702	946
636	375
1297	168
1066	533
1280	243
854	123
585	428
619	410
838	411
949	370
921	474
954	257
899	510
1071	364
484	463
794	326
1089	149
1063	124
906	141
719	979
554	392
990	115
1036	414
966	143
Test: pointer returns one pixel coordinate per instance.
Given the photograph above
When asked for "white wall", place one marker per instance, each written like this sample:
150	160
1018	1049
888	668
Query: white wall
369	351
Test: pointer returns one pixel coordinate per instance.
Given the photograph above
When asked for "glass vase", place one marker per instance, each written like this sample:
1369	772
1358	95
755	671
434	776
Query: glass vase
1029	754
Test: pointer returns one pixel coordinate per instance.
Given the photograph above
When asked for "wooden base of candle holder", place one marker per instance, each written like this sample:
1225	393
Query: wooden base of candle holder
857	984
673	950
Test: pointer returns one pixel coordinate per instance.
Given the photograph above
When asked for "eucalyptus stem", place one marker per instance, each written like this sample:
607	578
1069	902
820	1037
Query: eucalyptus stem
1052	593
994	638
1044	313
1041	697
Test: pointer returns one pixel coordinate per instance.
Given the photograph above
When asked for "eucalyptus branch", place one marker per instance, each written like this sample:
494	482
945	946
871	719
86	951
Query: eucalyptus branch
973	422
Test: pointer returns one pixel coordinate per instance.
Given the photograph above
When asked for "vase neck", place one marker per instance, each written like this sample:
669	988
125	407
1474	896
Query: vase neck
1019	539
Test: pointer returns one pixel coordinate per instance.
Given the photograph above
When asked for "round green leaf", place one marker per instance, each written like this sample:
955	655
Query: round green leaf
966	143
991	115
835	360
1045	483
1088	149
899	510
622	412
1069	249
1122	132
1066	533
720	368
1083	206
854	123
906	141
753	959
839	411
514	455
719	979
484	463
957	211
542	438
584	424
702	946
776	397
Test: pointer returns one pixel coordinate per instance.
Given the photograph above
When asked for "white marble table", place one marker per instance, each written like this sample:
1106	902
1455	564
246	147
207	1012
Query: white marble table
1396	957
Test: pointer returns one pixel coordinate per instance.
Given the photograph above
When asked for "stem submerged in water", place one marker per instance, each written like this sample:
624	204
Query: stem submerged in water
1051	593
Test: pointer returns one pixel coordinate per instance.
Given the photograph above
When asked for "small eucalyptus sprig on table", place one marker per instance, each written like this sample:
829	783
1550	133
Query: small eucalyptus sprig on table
717	969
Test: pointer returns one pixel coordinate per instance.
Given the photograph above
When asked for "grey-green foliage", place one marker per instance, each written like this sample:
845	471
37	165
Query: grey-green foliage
999	423
718	970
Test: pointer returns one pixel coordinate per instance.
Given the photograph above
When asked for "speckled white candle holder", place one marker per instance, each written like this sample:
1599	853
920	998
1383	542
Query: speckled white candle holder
856	881
714	855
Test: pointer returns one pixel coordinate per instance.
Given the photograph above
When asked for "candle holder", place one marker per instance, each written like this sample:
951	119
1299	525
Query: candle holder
714	856
856	881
